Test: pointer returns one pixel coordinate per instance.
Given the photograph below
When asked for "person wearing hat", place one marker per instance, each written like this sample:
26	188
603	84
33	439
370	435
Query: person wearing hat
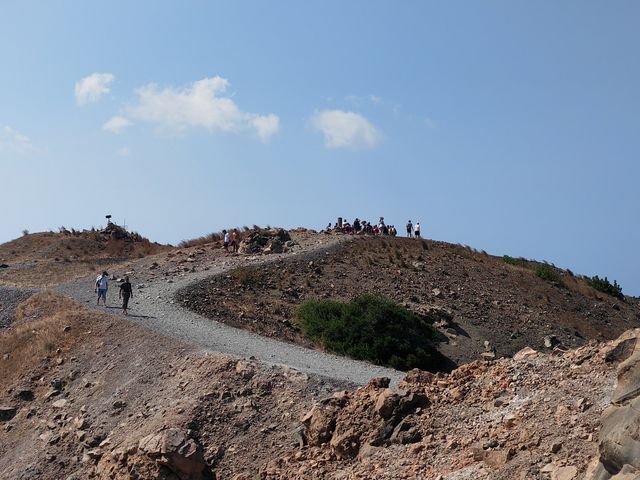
102	285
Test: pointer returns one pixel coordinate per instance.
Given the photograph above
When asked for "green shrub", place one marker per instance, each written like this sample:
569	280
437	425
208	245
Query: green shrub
548	273
518	262
603	285
372	328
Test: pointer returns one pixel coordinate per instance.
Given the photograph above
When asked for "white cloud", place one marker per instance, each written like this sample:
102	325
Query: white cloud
91	88
346	129
359	100
266	126
12	140
430	123
116	124
199	105
124	152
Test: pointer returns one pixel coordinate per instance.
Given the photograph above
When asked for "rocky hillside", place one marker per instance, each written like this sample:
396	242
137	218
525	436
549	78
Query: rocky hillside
470	296
98	397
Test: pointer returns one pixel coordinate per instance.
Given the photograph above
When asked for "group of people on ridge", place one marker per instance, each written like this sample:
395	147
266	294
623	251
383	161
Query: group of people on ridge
362	227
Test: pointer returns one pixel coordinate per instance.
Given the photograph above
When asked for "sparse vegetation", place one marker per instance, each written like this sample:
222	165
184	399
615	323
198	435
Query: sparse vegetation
518	262
199	241
246	276
372	328
548	273
603	285
37	332
25	232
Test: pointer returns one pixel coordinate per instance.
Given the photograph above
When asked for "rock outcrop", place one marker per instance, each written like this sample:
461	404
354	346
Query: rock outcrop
266	241
619	447
167	454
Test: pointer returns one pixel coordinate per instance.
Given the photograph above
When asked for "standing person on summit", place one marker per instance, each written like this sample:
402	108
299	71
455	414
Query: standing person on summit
102	285
235	240
226	240
409	229
416	230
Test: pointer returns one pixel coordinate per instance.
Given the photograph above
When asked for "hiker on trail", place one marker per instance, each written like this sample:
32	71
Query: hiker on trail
226	241
125	293
102	285
409	229
235	240
416	230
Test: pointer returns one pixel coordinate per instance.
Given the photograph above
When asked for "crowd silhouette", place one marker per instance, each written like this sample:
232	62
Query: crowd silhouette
363	227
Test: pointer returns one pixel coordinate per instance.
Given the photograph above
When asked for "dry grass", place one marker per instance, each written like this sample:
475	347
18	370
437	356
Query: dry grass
45	259
217	237
38	332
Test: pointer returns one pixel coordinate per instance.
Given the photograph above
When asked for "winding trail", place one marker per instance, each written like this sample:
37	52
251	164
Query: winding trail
154	307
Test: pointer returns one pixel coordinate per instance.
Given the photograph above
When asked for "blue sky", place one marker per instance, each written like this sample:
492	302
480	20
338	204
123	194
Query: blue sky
508	126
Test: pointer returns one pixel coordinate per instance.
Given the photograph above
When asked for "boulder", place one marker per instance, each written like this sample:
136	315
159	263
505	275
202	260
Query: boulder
179	453
551	341
25	394
346	444
319	422
526	352
265	241
7	413
564	473
621	351
619	437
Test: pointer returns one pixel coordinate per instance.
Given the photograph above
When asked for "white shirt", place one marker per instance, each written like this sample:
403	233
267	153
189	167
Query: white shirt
227	238
417	227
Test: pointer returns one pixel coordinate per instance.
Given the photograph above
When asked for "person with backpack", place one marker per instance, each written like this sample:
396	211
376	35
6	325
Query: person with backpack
409	229
126	292
102	285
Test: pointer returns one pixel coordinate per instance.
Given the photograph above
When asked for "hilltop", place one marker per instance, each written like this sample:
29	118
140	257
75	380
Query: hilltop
48	258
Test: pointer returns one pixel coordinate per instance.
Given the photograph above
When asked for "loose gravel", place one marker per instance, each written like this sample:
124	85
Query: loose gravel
10	298
154	307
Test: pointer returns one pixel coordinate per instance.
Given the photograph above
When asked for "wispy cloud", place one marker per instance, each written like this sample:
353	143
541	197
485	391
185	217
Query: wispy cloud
124	152
14	141
203	104
116	124
346	129
91	88
359	100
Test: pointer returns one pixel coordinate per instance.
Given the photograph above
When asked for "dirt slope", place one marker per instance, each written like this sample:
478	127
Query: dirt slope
97	382
47	258
99	397
472	296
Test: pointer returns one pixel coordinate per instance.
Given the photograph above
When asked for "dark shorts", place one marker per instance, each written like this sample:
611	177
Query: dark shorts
225	244
102	293
125	300
417	234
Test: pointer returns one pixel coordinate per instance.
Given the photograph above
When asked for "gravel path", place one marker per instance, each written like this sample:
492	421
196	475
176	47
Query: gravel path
10	298
153	306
